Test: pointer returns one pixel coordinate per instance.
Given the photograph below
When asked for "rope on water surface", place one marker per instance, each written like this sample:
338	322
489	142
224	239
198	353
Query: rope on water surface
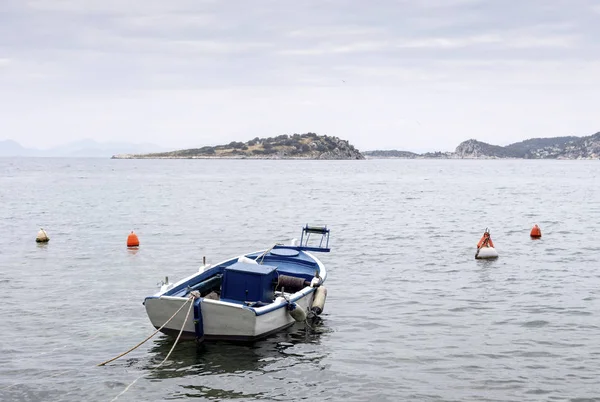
194	295
180	332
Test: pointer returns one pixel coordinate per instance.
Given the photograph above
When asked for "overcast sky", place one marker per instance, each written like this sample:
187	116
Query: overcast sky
410	75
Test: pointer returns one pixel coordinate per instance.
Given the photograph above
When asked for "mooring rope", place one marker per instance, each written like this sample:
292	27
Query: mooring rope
267	251
193	296
180	332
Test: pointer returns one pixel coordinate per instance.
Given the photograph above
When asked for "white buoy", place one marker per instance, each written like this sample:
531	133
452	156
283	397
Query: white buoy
42	236
485	247
296	312
486	253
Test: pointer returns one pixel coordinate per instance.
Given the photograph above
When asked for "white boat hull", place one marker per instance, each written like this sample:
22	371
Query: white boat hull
223	321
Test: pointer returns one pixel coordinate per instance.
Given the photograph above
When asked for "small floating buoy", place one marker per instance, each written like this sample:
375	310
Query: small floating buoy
319	297
485	247
132	240
536	232
42	236
297	313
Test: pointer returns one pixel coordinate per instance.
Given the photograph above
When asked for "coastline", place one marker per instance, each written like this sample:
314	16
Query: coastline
340	159
488	158
236	157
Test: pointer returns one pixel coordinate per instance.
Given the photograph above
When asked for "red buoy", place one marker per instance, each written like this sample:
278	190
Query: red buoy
132	240
536	232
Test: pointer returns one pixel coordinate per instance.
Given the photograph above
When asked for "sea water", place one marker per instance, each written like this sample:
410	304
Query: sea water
410	313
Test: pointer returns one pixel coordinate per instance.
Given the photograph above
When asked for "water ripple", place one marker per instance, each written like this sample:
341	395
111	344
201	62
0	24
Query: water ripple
410	314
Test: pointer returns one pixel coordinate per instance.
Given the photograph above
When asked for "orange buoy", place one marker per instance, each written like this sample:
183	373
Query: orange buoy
132	240
536	232
485	241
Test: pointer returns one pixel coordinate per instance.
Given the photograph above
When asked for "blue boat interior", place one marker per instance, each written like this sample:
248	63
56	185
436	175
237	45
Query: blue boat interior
256	283
253	284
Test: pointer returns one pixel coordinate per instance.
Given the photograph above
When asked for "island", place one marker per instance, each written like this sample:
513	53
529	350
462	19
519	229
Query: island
535	148
295	146
324	147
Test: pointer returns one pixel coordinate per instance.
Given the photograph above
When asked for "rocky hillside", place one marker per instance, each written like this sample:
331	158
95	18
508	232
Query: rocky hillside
478	149
296	146
528	148
534	148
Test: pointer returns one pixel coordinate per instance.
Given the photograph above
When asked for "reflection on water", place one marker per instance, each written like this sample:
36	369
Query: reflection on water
485	266
132	250
219	357
235	361
218	394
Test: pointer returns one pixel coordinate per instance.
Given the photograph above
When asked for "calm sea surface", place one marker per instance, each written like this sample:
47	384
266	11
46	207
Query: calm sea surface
410	314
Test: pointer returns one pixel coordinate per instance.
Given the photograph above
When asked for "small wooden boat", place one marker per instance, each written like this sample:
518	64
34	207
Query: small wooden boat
247	297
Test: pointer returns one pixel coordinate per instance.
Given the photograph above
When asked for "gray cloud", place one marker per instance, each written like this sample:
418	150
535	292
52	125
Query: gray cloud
232	70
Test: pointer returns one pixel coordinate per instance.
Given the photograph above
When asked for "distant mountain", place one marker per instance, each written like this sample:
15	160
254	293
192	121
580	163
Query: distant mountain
535	148
12	148
83	148
525	149
296	146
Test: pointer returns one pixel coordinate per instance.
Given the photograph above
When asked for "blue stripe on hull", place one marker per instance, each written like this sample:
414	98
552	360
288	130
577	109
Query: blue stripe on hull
198	323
